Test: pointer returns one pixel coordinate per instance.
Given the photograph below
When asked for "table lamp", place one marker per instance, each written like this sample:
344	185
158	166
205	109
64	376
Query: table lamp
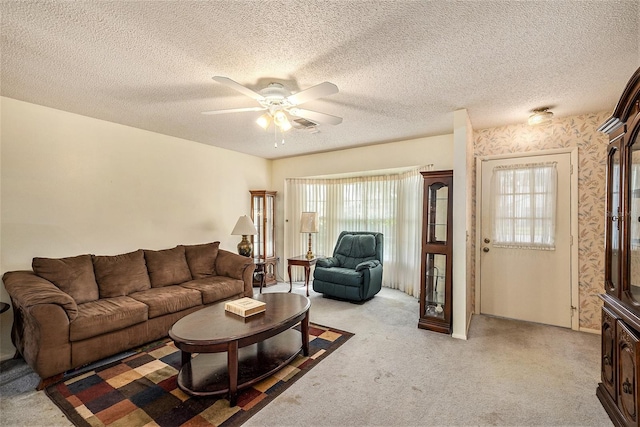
309	224
244	227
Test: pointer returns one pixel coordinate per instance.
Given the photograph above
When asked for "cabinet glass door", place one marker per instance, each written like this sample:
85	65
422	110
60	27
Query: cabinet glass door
435	285
634	220
438	202
270	245
258	217
613	224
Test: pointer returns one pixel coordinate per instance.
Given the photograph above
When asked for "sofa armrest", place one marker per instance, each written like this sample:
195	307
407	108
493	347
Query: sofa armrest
41	317
237	267
28	290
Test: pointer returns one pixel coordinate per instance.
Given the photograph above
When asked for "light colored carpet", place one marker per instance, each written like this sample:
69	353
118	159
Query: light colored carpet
393	374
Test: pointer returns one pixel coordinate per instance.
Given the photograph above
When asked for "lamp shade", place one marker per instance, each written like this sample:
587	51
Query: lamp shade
309	222
244	227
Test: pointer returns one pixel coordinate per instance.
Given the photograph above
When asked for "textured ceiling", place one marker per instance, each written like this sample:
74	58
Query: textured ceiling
402	67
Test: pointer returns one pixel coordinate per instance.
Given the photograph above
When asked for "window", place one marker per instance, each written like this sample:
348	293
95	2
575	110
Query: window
390	204
524	206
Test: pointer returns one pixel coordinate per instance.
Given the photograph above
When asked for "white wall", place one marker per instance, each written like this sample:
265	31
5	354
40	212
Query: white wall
462	134
436	150
73	185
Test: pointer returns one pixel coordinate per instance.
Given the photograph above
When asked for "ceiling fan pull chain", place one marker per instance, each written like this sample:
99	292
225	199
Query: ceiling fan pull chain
275	136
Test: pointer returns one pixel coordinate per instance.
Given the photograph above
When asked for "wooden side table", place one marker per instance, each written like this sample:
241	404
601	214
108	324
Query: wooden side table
302	261
261	270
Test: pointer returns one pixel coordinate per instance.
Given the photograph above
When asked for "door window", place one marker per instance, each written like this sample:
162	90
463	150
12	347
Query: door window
524	206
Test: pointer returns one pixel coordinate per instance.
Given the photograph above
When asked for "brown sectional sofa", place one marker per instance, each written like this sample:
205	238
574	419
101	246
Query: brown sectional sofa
73	311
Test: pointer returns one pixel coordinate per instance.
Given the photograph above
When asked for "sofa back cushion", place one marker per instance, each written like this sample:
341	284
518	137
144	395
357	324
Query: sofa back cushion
167	267
202	259
120	275
73	275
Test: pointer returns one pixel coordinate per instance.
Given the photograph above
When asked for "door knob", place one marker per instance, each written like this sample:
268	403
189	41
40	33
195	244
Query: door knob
485	249
486	240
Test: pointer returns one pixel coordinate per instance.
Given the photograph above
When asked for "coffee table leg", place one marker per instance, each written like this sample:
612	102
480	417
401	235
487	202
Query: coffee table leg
305	334
186	358
232	368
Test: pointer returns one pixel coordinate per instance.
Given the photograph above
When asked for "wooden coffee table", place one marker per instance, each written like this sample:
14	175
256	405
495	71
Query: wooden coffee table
255	346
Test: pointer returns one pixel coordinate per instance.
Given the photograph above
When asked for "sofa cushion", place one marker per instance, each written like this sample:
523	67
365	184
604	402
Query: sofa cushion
73	275
120	275
106	315
167	267
202	259
343	276
168	299
216	288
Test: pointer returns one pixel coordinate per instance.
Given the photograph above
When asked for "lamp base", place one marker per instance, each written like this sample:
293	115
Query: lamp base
309	253
244	247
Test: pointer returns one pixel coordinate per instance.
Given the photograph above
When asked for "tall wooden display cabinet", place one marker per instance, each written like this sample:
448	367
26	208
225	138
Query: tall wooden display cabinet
437	251
620	360
263	207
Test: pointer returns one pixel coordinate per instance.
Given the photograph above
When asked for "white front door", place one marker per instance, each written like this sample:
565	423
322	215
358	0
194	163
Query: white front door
520	281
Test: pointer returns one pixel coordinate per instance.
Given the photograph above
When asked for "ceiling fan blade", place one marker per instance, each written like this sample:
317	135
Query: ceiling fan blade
233	110
315	116
314	92
237	86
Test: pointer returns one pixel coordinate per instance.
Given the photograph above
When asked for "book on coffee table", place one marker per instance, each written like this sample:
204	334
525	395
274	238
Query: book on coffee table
245	306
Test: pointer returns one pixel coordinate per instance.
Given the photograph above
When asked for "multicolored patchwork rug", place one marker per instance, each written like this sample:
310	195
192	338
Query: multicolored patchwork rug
141	389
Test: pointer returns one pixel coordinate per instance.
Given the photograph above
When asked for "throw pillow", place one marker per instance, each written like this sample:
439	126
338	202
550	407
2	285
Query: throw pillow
167	267
202	259
73	275
120	275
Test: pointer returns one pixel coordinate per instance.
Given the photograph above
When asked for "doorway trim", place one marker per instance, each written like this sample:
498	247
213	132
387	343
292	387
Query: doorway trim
575	291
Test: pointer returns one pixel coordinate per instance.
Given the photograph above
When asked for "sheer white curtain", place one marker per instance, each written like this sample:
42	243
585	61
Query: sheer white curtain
390	204
524	206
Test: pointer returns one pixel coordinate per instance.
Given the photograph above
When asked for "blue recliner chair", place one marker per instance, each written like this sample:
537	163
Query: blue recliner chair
354	272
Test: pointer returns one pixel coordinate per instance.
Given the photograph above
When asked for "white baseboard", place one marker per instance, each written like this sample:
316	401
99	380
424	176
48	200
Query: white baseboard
466	330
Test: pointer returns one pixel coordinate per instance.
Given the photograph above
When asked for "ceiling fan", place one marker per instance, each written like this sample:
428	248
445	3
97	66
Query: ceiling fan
278	102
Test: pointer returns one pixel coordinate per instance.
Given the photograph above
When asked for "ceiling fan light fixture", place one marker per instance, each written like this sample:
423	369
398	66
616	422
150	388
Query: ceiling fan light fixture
285	126
540	116
278	103
281	120
264	121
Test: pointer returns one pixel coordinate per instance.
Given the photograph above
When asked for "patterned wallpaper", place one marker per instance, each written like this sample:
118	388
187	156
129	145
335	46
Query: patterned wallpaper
575	131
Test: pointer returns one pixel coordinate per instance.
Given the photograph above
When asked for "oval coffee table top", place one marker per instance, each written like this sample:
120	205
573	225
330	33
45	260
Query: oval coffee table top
213	324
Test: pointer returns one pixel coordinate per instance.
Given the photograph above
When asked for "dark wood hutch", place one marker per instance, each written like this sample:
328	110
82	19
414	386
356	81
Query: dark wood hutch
620	360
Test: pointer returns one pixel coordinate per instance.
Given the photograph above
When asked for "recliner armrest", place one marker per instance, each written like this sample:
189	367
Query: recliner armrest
328	262
367	264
